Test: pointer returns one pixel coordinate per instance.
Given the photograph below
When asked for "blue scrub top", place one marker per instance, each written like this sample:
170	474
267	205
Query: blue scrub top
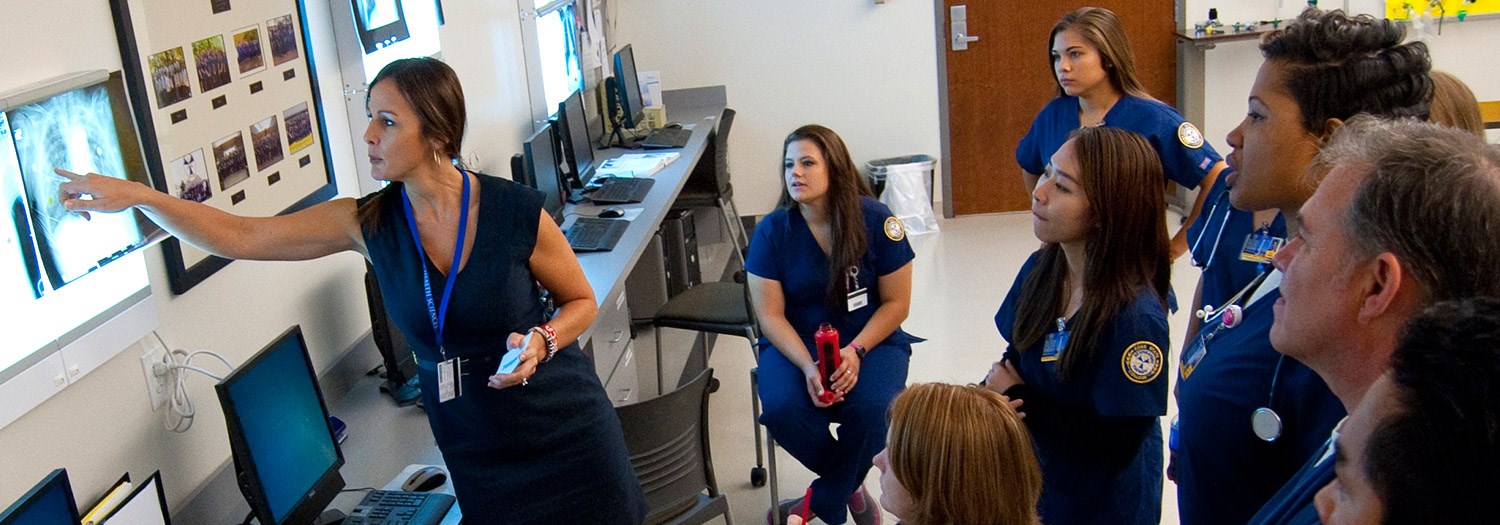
784	250
1293	504
1185	156
1217	238
1224	472
1098	437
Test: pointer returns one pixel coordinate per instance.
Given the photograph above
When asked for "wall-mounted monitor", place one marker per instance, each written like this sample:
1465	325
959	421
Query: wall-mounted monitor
380	23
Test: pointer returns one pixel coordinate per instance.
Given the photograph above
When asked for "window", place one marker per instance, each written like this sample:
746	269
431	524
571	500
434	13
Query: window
552	57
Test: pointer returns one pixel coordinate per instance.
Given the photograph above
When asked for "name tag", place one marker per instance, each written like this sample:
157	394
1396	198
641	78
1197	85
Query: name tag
1261	246
1195	353
1053	347
858	299
448	387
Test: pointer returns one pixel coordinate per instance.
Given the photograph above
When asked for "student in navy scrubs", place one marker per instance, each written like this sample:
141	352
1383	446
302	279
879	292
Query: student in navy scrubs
1443	377
1087	325
1404	218
458	256
830	253
1097	86
1249	418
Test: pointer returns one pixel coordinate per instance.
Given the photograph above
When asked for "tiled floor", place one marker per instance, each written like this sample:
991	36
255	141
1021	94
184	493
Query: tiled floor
961	275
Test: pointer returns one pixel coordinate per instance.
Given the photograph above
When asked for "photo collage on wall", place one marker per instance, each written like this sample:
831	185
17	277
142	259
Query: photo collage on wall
187	175
229	93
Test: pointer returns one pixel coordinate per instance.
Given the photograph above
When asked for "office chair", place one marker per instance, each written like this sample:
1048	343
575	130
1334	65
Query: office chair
723	308
667	438
708	186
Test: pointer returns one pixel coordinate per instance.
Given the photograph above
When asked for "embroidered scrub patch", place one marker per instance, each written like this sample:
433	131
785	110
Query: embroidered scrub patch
1142	362
894	230
1189	135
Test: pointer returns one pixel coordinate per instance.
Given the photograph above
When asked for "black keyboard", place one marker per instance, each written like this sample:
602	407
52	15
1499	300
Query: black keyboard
390	507
621	190
662	138
592	234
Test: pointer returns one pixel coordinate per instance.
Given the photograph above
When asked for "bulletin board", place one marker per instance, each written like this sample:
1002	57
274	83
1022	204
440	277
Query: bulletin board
1401	9
226	96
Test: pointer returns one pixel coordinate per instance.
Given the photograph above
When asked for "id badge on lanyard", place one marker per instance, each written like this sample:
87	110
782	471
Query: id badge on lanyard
448	370
859	297
1260	246
1055	342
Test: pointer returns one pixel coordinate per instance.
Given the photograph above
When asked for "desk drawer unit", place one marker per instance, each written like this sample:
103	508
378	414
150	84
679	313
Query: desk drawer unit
610	335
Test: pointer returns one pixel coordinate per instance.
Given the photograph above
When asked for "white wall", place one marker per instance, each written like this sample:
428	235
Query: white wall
867	71
1229	69
102	426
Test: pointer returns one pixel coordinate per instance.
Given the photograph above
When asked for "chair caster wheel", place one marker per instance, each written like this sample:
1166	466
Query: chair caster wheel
758	477
713	385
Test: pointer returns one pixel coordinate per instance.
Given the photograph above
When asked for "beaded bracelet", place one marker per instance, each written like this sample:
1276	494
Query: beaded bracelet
550	336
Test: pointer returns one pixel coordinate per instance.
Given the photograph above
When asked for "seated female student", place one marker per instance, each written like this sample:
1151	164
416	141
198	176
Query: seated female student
1094	69
1087	326
522	447
958	455
830	254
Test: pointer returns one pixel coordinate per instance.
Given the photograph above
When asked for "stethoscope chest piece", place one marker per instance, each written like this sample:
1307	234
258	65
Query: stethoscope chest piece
1266	424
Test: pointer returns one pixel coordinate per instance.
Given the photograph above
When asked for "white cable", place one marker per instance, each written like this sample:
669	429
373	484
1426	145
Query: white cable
181	404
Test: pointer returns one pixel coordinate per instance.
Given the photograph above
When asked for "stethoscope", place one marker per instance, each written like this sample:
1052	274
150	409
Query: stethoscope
1217	237
1265	422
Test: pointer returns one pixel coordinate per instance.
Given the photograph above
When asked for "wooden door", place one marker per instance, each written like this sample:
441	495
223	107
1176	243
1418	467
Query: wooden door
996	87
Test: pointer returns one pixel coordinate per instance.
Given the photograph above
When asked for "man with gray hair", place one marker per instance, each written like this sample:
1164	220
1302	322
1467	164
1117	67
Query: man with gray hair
1408	215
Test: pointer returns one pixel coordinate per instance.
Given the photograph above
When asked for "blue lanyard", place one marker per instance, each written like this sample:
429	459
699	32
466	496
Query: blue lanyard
439	314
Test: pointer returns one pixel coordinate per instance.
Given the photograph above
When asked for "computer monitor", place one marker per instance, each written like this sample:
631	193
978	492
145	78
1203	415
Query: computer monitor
279	435
632	107
48	503
379	23
146	505
573	128
540	163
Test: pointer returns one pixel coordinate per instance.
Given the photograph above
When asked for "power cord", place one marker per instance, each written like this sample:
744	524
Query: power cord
180	417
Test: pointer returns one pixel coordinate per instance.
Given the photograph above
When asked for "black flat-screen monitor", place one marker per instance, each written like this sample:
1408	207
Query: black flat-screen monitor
279	435
540	163
146	505
632	107
48	503
573	128
380	23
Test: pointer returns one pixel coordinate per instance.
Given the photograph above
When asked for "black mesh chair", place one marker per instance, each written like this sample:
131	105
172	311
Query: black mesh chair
708	185
667	438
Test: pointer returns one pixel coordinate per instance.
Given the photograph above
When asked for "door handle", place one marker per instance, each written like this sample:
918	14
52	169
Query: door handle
958	25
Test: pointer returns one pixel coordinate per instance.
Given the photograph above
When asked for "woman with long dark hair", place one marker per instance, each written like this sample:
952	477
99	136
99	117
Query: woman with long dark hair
458	255
831	254
1094	69
1087	327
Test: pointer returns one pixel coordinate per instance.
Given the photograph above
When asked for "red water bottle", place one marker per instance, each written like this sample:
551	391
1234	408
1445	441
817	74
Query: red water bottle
827	341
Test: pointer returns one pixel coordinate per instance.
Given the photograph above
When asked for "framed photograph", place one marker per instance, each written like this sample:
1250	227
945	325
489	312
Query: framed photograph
265	137
248	52
230	161
169	77
205	148
283	39
187	178
213	64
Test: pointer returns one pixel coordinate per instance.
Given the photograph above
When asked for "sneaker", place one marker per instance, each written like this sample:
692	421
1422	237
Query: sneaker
863	509
777	515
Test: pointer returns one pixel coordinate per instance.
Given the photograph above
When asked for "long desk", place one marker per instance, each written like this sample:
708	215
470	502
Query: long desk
383	439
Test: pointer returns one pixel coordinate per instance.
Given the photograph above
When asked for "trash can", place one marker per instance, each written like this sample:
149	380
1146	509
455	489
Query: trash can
904	184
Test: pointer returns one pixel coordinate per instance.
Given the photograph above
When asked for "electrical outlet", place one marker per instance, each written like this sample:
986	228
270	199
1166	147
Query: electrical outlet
154	362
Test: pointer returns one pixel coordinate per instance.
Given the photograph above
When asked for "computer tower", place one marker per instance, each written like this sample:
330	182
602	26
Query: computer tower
679	239
646	286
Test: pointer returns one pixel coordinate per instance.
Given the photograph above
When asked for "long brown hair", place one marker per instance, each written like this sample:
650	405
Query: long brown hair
1102	29
964	456
437	99
1127	248
1454	104
845	189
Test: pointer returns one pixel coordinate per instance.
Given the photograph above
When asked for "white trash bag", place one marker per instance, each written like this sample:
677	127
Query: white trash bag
908	190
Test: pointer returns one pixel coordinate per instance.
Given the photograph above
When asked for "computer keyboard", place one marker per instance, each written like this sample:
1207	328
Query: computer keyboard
592	234
662	138
390	507
621	190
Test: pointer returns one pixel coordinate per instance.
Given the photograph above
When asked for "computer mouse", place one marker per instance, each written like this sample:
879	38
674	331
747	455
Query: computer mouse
674	125
612	212
425	479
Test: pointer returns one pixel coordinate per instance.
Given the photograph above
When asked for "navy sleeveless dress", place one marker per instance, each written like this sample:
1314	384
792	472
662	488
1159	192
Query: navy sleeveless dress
548	452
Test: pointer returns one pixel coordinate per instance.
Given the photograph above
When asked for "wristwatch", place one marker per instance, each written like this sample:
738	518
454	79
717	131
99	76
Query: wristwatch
859	350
